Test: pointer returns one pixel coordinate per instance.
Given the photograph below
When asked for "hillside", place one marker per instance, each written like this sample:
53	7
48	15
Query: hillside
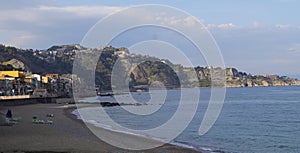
35	61
144	69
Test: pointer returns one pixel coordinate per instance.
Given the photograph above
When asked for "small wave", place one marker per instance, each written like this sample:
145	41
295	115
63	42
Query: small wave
180	144
97	124
206	149
76	113
107	127
110	128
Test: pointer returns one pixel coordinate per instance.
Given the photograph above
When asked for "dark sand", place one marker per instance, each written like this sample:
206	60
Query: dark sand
67	134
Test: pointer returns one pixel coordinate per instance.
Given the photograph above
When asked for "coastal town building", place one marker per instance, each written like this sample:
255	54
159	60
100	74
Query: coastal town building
20	83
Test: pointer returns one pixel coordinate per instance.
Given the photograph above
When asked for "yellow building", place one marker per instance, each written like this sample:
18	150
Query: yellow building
2	77
14	74
54	76
44	79
28	79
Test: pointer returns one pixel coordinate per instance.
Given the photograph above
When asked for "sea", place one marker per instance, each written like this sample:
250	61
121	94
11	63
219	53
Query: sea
257	119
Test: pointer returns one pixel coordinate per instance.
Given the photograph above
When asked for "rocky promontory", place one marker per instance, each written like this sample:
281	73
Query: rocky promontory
239	79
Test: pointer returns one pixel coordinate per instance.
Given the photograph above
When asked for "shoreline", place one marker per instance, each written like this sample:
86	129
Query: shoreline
67	134
154	140
69	112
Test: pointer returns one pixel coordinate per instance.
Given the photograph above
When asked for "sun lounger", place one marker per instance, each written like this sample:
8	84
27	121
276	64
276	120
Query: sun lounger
8	122
35	120
15	119
49	122
11	121
41	121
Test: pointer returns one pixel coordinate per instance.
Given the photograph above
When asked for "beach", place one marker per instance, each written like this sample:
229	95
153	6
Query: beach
66	134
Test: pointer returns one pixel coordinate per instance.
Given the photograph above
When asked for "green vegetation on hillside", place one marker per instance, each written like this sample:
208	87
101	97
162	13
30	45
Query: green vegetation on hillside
144	70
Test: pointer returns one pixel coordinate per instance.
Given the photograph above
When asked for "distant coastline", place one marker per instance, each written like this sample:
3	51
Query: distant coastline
59	60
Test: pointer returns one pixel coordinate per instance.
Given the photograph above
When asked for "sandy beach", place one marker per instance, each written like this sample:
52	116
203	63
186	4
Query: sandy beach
67	134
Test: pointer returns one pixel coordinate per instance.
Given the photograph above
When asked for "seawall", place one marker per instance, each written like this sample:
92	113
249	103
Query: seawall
15	102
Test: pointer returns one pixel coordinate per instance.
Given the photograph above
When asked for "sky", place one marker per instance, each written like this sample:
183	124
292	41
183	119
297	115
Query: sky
258	37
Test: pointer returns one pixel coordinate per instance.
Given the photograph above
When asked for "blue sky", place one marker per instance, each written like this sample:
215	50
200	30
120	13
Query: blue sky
259	37
243	12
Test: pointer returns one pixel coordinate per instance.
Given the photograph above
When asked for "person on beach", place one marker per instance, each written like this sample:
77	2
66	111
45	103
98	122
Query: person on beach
9	114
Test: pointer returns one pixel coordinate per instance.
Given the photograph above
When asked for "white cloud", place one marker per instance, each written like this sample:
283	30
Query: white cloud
39	25
22	15
294	48
261	25
82	11
41	13
286	26
18	38
222	26
163	18
257	24
190	21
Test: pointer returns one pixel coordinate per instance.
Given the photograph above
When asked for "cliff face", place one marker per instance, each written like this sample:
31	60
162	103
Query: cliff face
234	78
239	79
149	72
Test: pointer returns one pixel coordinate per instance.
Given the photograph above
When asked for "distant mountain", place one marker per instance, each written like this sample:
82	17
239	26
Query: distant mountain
144	69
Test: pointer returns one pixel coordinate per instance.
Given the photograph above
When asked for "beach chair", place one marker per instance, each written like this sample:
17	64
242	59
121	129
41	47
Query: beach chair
35	120
49	122
41	121
8	122
12	120
16	119
4	121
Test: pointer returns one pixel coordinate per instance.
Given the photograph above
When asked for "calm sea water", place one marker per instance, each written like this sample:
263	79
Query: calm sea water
264	119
